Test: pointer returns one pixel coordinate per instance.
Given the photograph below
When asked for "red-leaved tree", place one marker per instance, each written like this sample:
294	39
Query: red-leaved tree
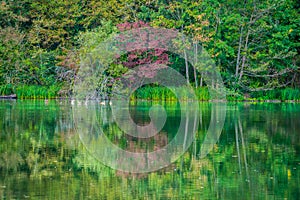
144	48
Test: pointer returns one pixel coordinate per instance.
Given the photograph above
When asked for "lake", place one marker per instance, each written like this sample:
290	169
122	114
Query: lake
256	155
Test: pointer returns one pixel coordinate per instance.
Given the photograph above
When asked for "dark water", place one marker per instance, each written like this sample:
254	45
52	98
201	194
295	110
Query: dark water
256	157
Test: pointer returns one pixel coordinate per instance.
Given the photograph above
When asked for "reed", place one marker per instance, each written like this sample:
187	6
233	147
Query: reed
31	91
202	93
6	89
290	94
155	93
278	94
37	92
159	93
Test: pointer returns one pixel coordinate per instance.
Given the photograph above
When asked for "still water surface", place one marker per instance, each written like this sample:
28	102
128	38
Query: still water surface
256	157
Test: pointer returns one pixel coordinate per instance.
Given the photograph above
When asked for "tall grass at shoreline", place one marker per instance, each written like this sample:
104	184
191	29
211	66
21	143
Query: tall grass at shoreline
164	94
31	91
292	94
155	93
202	93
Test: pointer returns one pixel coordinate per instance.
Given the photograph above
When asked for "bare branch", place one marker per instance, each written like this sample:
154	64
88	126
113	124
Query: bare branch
268	88
248	73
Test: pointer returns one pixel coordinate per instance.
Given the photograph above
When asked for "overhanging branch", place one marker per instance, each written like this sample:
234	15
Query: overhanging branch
247	73
268	88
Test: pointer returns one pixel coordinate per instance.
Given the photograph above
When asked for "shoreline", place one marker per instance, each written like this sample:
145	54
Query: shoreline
14	97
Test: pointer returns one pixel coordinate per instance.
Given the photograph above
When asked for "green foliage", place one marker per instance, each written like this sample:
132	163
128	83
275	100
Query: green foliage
37	92
159	93
255	45
31	91
279	94
232	95
290	94
153	93
6	89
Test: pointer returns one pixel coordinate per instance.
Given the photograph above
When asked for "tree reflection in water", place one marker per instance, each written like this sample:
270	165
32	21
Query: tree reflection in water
257	156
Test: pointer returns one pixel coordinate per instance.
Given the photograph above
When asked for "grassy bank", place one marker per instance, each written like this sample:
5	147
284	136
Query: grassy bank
31	91
162	93
156	93
286	94
279	94
165	94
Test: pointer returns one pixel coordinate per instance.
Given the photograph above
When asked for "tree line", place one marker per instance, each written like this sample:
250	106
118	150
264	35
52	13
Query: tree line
255	44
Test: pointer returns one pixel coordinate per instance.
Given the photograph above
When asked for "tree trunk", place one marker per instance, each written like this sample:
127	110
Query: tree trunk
186	68
201	81
244	57
239	54
195	62
185	59
245	50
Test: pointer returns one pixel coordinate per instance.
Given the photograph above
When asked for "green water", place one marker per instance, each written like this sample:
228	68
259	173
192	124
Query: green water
256	157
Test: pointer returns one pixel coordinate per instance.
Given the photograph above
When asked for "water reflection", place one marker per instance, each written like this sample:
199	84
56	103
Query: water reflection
102	147
257	155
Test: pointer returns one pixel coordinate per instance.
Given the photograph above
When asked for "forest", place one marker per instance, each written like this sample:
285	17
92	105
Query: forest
254	44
